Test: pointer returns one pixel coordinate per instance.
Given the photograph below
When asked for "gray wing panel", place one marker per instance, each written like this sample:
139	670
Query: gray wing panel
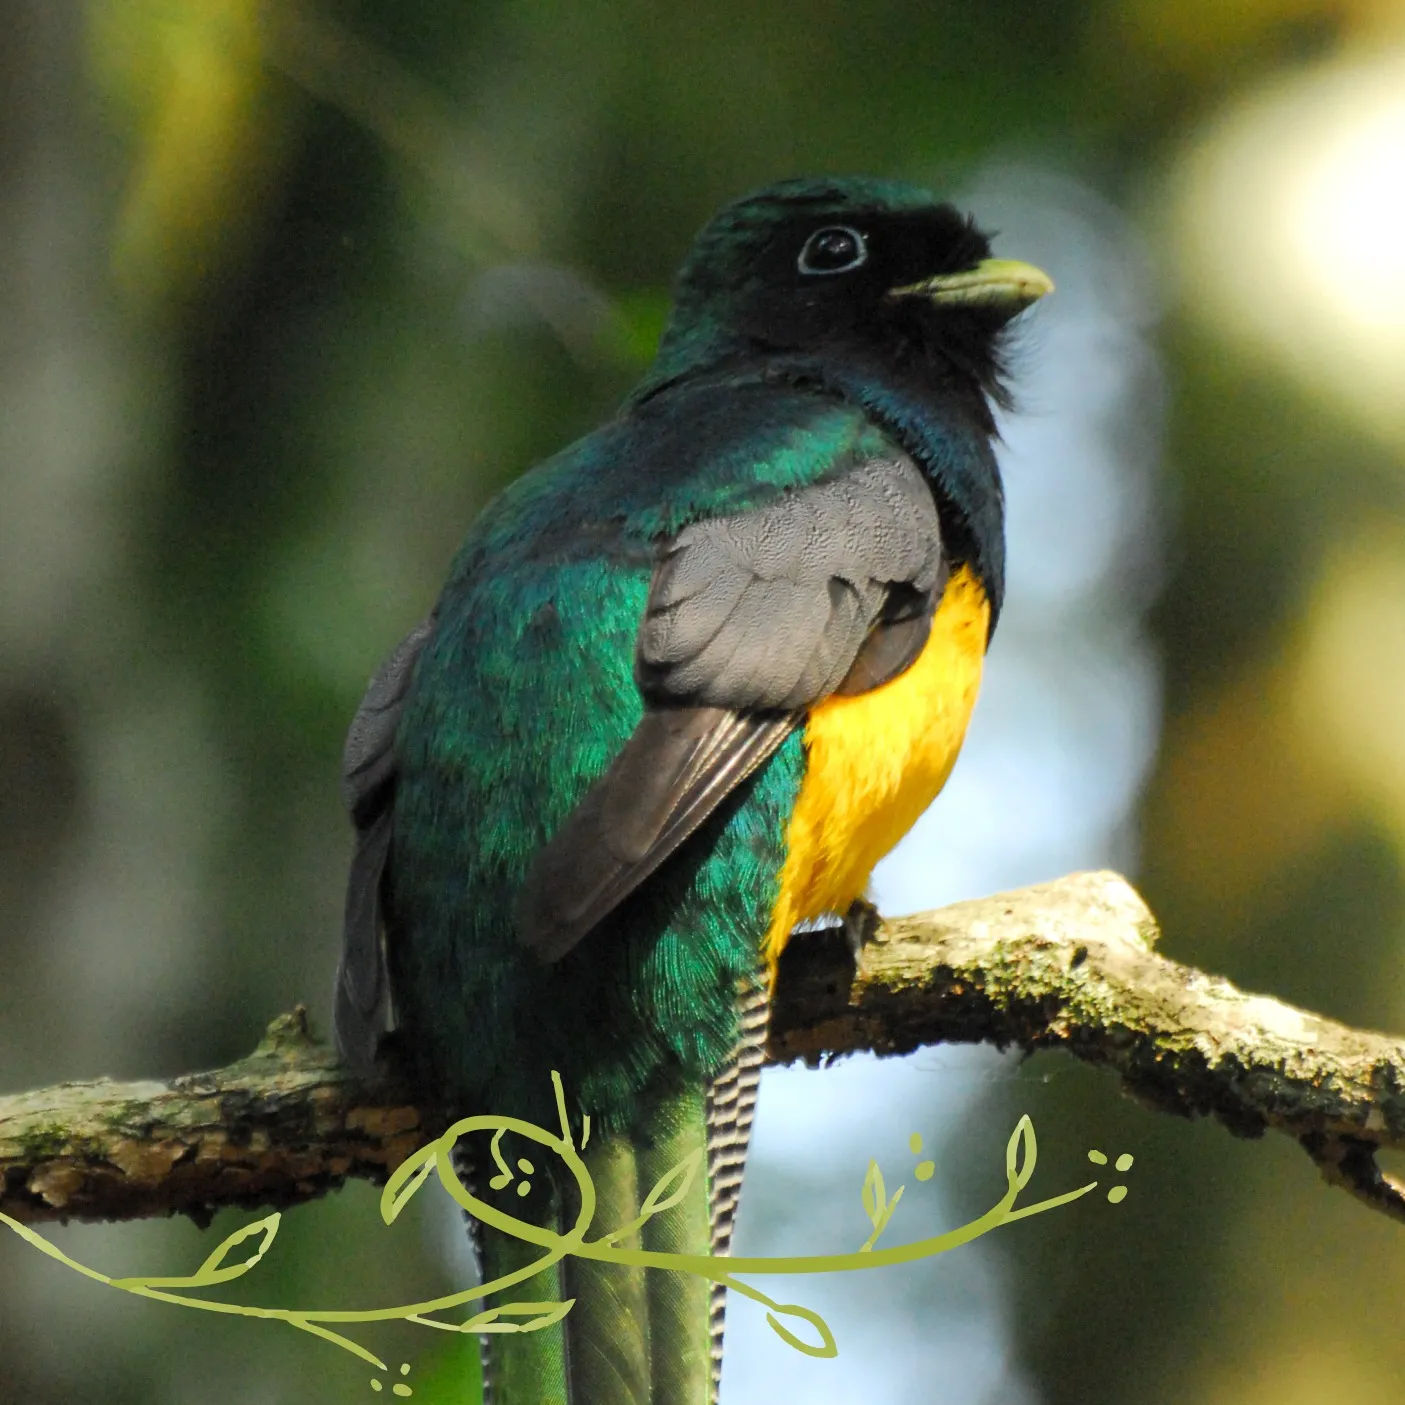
368	792
674	770
770	609
749	620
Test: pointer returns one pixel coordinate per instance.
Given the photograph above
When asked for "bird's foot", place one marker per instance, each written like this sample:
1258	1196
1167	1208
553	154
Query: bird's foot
860	925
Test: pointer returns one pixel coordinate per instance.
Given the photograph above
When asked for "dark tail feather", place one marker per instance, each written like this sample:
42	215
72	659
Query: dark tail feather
731	1106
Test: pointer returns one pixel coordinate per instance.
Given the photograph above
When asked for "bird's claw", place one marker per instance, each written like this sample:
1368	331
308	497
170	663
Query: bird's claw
860	925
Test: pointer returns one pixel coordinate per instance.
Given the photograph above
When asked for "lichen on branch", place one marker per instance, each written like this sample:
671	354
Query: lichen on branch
1069	964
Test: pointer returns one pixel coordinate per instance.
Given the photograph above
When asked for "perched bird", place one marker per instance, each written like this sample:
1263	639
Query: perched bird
688	682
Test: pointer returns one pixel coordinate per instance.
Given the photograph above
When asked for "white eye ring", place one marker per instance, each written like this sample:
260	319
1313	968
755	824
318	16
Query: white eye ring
815	258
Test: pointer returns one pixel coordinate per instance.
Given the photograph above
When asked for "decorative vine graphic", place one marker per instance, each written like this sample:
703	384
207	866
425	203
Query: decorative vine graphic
225	1263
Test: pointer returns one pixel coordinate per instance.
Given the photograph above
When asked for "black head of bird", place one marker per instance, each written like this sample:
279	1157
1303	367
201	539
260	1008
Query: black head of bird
849	267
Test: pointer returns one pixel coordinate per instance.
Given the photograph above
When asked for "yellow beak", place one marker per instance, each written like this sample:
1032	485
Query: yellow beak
1003	285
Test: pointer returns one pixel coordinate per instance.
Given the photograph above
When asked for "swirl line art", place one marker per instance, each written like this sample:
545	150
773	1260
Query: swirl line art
232	1258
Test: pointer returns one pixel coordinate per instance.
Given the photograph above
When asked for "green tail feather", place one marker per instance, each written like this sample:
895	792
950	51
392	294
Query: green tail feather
522	1368
633	1336
680	1358
607	1331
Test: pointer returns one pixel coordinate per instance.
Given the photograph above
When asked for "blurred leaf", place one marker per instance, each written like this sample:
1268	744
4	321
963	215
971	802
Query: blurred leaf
643	316
208	136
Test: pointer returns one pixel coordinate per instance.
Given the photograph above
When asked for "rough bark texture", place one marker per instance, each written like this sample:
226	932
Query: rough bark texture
284	1125
1068	965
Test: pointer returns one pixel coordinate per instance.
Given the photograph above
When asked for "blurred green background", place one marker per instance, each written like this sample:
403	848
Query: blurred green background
287	291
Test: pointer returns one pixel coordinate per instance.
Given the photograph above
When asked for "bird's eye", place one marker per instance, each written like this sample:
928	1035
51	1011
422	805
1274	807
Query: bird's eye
834	249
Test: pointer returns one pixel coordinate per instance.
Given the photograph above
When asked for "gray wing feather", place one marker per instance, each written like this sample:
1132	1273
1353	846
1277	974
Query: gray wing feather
674	770
368	792
750	619
769	609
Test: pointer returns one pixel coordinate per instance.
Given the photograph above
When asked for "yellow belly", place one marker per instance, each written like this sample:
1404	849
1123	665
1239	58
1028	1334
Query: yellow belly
875	761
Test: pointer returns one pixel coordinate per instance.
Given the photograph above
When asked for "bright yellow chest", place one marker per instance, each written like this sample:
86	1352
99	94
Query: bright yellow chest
875	761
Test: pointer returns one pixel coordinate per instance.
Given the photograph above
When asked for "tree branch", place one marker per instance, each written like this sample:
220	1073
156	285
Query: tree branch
1068	965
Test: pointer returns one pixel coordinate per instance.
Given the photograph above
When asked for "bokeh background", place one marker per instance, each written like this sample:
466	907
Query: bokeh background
288	290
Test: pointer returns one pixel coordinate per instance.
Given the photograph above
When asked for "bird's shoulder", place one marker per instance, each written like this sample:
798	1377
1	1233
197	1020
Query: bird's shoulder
707	447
